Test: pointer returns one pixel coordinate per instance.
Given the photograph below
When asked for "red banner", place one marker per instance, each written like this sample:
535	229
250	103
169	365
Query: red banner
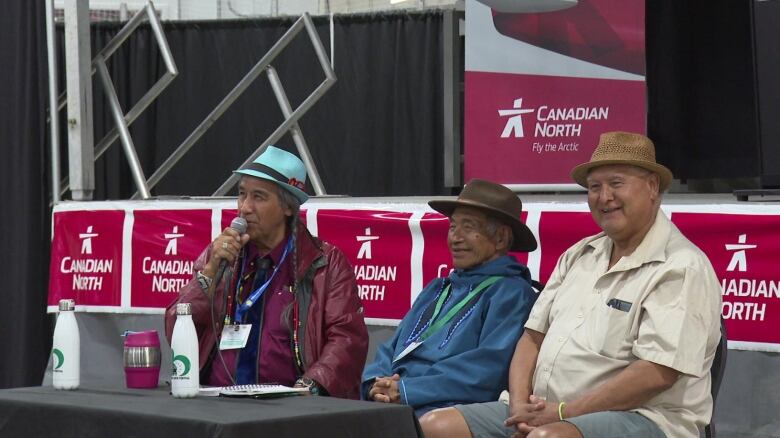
379	246
436	259
86	257
743	249
544	80
558	230
132	256
165	245
542	126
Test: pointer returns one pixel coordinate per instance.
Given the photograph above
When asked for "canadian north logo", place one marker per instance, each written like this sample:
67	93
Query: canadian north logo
168	275
550	121
368	273
86	240
365	248
87	270
739	258
514	124
740	288
173	239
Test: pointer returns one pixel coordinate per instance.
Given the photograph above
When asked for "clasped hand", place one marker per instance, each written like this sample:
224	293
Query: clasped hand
526	416
385	389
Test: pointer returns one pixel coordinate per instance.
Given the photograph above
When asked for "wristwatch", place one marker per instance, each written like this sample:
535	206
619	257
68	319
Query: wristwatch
313	386
203	281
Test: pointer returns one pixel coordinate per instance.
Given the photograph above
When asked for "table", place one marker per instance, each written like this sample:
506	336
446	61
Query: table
118	412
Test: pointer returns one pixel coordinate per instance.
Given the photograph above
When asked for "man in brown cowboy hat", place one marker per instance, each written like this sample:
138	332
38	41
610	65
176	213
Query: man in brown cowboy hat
455	344
621	341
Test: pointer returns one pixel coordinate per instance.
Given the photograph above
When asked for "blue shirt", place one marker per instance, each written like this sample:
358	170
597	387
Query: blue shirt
267	357
467	361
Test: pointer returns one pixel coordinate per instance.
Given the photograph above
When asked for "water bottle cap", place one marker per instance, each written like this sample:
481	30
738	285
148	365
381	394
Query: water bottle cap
67	304
184	309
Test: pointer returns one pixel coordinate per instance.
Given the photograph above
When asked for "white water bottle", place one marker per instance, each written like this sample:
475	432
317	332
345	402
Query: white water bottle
185	378
66	348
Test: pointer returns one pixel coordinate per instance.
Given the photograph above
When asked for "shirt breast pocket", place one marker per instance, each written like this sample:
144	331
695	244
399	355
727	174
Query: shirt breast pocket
610	328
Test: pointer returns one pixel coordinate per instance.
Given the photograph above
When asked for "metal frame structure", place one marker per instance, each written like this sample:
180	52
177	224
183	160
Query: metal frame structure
122	120
452	91
291	118
54	117
81	169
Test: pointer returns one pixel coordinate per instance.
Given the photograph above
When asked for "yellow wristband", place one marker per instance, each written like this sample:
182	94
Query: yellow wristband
561	405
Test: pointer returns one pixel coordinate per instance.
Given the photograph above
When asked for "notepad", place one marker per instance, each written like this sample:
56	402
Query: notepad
268	390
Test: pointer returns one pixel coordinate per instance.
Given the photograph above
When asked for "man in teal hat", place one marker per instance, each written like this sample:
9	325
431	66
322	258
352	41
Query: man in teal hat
287	311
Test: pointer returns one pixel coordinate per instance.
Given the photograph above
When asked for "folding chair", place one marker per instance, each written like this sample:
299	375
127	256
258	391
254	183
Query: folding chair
716	371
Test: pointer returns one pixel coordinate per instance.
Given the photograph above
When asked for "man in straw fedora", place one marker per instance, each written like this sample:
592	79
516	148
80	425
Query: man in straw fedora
621	341
455	344
287	310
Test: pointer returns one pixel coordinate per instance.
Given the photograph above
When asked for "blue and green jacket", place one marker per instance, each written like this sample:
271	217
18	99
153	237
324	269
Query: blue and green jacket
467	360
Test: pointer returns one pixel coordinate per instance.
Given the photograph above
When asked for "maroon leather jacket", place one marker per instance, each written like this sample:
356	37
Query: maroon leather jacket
333	336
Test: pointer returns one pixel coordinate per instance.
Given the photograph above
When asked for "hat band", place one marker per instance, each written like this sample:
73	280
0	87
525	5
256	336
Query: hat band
274	174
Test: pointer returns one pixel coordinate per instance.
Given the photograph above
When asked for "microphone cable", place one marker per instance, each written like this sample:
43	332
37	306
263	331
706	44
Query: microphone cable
228	280
239	224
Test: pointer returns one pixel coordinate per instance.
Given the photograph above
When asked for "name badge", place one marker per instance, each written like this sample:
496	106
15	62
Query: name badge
234	336
409	348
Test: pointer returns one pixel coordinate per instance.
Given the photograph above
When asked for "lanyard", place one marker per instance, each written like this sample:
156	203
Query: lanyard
255	296
455	309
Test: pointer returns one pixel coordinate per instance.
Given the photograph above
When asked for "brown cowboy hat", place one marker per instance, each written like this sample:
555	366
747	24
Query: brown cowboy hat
623	148
496	201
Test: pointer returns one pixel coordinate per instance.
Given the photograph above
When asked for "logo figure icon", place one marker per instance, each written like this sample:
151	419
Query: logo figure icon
59	358
739	259
86	242
365	248
173	238
514	123
181	365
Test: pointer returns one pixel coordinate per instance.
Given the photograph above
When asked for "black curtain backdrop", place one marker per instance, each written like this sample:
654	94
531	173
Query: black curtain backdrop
24	240
377	131
702	107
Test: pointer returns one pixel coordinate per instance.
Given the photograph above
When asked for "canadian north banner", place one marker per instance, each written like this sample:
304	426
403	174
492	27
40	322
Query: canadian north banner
134	256
544	79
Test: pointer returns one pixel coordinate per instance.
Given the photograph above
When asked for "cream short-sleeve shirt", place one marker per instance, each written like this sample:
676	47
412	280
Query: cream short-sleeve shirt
661	304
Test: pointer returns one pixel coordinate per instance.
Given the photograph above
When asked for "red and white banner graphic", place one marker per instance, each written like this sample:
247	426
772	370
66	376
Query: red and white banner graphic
743	249
164	246
132	256
374	241
543	80
560	230
86	258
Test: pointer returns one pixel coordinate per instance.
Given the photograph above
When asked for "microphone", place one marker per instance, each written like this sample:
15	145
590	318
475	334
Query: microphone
238	224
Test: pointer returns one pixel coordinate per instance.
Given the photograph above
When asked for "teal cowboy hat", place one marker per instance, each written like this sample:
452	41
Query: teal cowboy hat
280	167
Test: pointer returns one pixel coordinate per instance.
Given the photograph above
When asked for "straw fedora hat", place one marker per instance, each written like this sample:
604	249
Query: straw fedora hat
496	201
623	148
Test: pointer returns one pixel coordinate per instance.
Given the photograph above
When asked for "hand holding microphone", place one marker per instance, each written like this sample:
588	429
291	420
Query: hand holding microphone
225	249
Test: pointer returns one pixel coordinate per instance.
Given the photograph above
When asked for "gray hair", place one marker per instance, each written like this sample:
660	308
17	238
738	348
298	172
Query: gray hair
288	200
491	229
